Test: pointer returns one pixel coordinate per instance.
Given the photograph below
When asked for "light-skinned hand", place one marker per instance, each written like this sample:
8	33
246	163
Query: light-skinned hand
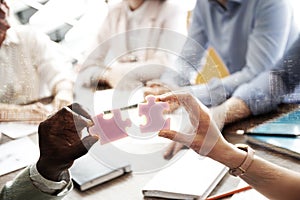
155	88
205	136
158	88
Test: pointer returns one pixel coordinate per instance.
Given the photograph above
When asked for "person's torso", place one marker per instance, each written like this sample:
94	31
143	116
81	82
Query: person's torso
228	31
19	76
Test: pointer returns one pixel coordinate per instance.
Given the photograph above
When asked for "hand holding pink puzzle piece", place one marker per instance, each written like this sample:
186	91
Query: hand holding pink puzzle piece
153	111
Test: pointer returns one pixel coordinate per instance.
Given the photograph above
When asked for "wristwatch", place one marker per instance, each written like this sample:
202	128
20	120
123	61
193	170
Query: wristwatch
239	171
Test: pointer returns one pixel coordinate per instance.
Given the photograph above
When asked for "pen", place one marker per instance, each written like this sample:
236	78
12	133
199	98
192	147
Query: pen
123	108
229	193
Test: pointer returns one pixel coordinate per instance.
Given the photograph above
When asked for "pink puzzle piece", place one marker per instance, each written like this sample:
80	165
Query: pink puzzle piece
110	129
153	111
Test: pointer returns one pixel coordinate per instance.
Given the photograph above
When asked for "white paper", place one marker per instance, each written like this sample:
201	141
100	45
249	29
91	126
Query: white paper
16	130
17	154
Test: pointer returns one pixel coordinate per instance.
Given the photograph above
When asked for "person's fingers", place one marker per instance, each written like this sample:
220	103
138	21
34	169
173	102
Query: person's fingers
76	107
177	148
172	107
153	83
83	146
39	107
174	96
168	154
150	91
177	137
197	111
4	25
173	149
36	111
89	141
168	97
80	120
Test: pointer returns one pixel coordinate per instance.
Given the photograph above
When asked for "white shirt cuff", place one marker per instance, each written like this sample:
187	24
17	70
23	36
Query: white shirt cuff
60	188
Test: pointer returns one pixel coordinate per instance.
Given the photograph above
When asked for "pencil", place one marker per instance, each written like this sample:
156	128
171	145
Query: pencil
229	193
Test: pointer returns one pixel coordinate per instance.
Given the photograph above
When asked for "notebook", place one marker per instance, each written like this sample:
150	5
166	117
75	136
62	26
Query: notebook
87	172
286	125
286	145
189	176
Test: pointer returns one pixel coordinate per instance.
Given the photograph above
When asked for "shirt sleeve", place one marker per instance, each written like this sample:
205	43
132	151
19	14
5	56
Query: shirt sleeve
51	61
60	188
265	92
266	44
22	188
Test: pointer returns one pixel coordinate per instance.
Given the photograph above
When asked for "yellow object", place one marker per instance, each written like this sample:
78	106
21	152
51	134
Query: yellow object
213	67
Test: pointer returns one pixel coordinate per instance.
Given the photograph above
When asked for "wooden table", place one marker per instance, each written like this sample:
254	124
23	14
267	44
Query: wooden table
130	185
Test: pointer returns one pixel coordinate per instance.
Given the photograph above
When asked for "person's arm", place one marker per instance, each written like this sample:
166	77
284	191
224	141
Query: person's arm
266	91
259	96
53	66
232	110
36	112
206	139
60	144
169	26
266	44
22	188
271	180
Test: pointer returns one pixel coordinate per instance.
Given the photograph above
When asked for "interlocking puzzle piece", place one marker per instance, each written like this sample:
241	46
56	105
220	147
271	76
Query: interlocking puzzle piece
153	111
110	129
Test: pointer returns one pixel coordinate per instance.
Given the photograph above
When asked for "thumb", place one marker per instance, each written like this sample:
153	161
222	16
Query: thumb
177	137
84	145
89	141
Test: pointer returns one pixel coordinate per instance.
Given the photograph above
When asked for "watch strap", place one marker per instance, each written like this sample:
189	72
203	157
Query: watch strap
239	171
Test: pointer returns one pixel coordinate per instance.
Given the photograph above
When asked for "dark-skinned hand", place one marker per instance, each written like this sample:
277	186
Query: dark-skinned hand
60	140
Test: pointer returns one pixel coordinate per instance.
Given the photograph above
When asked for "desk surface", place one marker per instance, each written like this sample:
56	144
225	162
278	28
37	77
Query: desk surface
130	185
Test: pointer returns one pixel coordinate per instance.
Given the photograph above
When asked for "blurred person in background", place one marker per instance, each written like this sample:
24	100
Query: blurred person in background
126	37
249	36
276	83
32	68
